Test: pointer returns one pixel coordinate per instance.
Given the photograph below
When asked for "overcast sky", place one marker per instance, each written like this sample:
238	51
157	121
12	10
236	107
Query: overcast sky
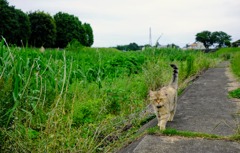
119	22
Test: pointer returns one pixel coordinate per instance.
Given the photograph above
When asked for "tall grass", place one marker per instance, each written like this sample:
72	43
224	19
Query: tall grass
82	99
235	64
232	54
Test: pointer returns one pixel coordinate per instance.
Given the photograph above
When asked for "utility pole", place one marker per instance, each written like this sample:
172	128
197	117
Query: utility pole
150	37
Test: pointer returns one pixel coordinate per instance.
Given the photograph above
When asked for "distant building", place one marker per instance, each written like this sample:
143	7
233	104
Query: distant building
162	46
196	45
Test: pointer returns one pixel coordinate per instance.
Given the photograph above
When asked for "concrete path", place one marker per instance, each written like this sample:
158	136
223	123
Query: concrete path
203	107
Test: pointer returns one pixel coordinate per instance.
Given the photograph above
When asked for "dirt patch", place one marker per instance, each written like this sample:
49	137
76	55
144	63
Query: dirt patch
233	82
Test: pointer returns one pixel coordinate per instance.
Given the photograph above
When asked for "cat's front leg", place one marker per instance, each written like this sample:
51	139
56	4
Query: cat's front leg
163	121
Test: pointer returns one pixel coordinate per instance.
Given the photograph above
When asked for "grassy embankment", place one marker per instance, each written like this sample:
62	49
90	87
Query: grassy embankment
234	57
82	99
232	54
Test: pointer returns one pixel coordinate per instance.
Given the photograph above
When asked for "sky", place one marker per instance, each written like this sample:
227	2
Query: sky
120	22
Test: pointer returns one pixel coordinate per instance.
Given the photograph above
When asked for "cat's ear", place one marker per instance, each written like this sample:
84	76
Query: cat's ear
151	93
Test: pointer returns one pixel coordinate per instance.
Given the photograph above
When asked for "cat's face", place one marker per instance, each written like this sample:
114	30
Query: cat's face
158	99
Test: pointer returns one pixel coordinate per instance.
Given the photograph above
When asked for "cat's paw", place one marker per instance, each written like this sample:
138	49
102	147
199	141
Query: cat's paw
162	128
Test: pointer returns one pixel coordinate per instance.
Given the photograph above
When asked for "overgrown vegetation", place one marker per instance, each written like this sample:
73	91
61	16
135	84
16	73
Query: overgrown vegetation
232	54
235	66
82	99
235	62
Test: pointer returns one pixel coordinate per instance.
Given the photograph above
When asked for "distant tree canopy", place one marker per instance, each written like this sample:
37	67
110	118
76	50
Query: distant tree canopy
68	28
205	38
41	29
88	35
172	46
130	47
210	38
236	43
14	24
24	29
221	38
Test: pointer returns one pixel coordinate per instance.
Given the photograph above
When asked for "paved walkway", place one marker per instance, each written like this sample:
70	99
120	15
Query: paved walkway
203	107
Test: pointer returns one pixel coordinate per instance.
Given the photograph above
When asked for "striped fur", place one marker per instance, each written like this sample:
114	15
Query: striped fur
164	101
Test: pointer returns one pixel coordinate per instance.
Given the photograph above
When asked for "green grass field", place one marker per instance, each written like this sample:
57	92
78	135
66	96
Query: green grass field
84	99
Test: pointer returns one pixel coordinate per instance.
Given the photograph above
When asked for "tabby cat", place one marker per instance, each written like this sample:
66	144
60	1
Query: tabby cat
164	101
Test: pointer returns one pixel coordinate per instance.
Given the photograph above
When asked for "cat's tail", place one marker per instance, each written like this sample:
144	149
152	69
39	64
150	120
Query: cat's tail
174	83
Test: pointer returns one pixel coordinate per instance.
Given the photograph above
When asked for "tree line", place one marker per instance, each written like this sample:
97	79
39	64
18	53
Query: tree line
130	47
217	38
38	28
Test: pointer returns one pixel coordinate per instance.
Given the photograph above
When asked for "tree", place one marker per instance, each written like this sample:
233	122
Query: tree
228	43
206	38
88	35
131	47
221	38
14	24
69	28
5	18
173	46
43	29
82	37
24	28
218	37
236	43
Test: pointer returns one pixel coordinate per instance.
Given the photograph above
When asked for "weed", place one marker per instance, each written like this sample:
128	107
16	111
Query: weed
235	93
149	118
235	62
189	134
